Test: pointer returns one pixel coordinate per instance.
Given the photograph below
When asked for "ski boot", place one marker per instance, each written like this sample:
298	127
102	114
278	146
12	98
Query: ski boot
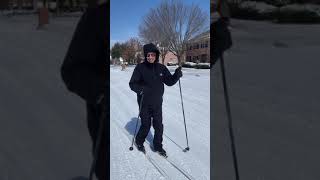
141	148
161	152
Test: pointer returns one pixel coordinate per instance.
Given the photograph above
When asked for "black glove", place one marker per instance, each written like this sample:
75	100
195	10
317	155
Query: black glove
178	72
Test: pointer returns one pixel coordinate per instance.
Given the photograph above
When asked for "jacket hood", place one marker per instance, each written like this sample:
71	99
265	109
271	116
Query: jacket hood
150	48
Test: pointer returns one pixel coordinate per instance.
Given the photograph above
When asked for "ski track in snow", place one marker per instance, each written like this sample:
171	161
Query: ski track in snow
195	163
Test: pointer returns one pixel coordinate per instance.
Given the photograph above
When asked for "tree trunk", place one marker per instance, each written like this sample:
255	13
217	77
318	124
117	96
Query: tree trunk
163	56
35	5
20	4
71	6
44	3
78	4
57	7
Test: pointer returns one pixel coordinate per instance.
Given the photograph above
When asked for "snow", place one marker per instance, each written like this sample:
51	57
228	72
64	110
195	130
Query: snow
43	127
262	7
191	63
302	7
125	164
273	78
207	64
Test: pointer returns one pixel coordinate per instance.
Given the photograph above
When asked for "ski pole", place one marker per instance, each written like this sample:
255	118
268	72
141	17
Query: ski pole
184	119
97	145
226	97
134	135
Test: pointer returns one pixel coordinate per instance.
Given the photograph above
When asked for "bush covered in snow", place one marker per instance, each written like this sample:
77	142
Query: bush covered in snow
252	10
276	3
189	64
281	13
172	63
202	66
260	7
196	65
297	15
299	7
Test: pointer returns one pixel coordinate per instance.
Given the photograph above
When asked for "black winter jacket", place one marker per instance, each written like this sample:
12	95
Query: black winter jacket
149	78
85	69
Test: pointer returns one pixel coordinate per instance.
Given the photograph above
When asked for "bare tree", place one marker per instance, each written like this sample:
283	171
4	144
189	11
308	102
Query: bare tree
149	34
173	24
136	47
135	43
127	53
130	50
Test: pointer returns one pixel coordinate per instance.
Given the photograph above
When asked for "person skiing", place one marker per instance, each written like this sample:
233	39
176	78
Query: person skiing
85	72
147	80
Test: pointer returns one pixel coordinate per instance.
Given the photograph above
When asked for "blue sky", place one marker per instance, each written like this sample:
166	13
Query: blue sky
126	15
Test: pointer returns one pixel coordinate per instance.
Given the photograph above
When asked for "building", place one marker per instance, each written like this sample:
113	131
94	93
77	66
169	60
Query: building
169	58
198	49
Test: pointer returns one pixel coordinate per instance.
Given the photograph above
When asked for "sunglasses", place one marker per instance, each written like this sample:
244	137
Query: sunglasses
151	54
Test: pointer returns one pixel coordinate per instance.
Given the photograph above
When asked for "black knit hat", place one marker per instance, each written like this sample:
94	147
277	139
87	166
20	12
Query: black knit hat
151	48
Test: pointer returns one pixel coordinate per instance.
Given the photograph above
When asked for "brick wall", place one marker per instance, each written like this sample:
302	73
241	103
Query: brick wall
170	57
199	50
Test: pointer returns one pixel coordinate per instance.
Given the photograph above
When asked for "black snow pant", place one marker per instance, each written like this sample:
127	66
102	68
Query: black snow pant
93	119
147	113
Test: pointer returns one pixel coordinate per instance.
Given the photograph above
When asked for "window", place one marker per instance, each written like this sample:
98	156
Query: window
195	46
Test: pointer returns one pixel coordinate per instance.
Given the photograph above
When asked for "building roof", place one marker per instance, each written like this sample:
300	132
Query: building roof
202	36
